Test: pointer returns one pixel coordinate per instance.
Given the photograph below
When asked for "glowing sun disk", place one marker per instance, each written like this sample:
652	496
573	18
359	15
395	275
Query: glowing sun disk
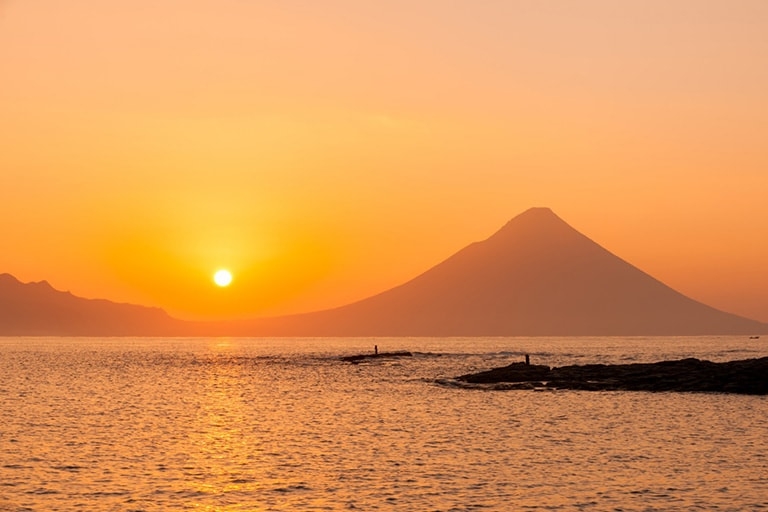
222	277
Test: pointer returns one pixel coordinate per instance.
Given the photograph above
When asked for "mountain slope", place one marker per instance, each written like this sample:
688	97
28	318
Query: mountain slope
37	309
536	276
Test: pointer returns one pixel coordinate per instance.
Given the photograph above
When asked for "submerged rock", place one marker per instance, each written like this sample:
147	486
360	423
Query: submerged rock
748	376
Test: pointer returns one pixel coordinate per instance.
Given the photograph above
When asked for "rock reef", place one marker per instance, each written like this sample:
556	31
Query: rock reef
376	355
748	376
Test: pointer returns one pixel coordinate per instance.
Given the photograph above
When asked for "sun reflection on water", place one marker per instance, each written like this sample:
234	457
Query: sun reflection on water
222	459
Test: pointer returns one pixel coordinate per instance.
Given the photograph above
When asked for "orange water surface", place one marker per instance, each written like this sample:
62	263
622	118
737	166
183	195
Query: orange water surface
257	425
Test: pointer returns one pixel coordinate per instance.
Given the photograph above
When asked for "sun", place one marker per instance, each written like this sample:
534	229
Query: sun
222	277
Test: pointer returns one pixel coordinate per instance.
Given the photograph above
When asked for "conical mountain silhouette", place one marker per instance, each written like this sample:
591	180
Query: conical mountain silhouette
536	276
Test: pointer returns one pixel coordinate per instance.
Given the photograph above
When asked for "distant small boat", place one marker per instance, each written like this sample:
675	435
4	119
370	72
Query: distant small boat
754	337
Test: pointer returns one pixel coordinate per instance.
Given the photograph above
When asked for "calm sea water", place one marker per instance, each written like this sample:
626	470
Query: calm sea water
265	424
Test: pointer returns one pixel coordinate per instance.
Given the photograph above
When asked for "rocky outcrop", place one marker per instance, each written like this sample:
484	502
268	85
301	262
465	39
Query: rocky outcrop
376	355
748	376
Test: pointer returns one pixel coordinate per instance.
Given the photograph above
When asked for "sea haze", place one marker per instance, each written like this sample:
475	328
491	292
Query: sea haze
217	424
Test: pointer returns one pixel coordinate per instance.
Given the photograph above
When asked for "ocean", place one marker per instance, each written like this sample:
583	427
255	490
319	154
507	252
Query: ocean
230	424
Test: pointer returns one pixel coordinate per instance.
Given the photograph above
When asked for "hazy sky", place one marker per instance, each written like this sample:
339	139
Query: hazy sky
327	150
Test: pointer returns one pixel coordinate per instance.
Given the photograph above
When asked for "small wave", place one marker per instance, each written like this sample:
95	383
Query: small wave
106	494
72	468
429	354
292	488
15	466
496	386
43	491
453	383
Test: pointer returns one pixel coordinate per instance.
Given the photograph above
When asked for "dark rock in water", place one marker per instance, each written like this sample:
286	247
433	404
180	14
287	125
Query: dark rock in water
516	372
378	355
748	376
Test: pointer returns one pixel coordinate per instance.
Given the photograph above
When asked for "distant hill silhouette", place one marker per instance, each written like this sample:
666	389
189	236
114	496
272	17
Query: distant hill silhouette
536	276
36	309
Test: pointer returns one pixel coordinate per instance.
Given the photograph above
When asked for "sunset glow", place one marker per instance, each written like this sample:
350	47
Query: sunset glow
383	254
331	150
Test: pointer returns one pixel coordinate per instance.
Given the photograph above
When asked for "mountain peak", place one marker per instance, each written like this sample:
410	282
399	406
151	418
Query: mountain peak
534	224
8	278
537	210
536	217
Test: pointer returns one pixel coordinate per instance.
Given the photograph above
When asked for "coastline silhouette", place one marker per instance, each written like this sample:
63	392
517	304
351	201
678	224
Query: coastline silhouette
536	276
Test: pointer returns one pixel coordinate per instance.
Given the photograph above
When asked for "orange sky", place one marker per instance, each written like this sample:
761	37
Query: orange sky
325	151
